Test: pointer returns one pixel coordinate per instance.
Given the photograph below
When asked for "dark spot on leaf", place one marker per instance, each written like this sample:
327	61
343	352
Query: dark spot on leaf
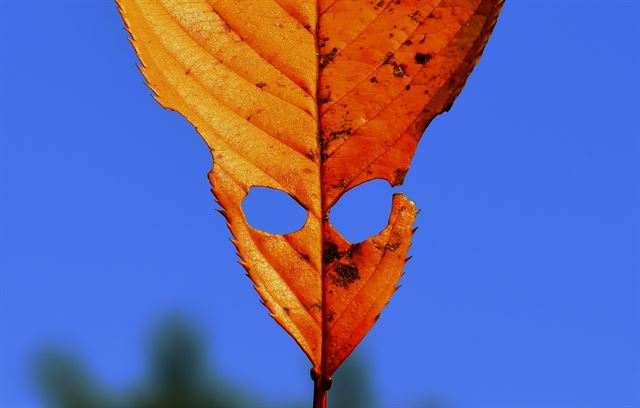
399	70
387	58
336	134
423	58
322	41
416	16
392	247
341	184
408	87
310	154
330	253
261	85
374	80
345	275
325	59
407	42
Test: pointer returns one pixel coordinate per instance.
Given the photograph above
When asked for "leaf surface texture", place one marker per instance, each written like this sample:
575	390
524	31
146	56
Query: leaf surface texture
312	98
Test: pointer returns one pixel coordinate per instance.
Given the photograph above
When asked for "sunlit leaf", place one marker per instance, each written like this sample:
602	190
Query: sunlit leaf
312	97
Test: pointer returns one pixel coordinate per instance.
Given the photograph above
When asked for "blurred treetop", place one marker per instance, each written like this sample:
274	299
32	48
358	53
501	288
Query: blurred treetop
178	378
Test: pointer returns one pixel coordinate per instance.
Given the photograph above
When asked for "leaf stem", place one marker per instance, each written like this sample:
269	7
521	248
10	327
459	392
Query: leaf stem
321	388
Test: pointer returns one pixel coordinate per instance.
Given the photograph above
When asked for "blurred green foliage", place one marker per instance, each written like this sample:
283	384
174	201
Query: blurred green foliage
178	378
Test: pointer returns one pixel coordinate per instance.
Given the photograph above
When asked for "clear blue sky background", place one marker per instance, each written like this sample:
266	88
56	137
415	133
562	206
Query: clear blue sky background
524	287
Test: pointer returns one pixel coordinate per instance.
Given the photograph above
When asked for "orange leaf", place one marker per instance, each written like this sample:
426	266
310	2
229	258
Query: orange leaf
312	97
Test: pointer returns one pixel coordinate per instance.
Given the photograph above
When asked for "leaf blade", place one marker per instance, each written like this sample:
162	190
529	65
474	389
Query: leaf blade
312	98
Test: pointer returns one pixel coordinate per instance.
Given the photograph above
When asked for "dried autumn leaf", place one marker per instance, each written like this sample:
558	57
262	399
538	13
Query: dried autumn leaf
312	97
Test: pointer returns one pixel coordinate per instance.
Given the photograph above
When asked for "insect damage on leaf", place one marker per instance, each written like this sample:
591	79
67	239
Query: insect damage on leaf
312	97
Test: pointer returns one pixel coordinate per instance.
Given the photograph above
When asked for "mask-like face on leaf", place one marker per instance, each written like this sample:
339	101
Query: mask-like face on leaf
312	97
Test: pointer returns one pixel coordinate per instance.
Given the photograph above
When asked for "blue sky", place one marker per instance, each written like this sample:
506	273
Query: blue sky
524	287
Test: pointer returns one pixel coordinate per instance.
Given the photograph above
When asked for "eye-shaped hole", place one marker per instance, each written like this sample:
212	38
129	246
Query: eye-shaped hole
273	211
363	211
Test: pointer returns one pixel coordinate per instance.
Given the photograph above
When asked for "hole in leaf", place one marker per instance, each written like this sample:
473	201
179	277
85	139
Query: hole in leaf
363	211
273	211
